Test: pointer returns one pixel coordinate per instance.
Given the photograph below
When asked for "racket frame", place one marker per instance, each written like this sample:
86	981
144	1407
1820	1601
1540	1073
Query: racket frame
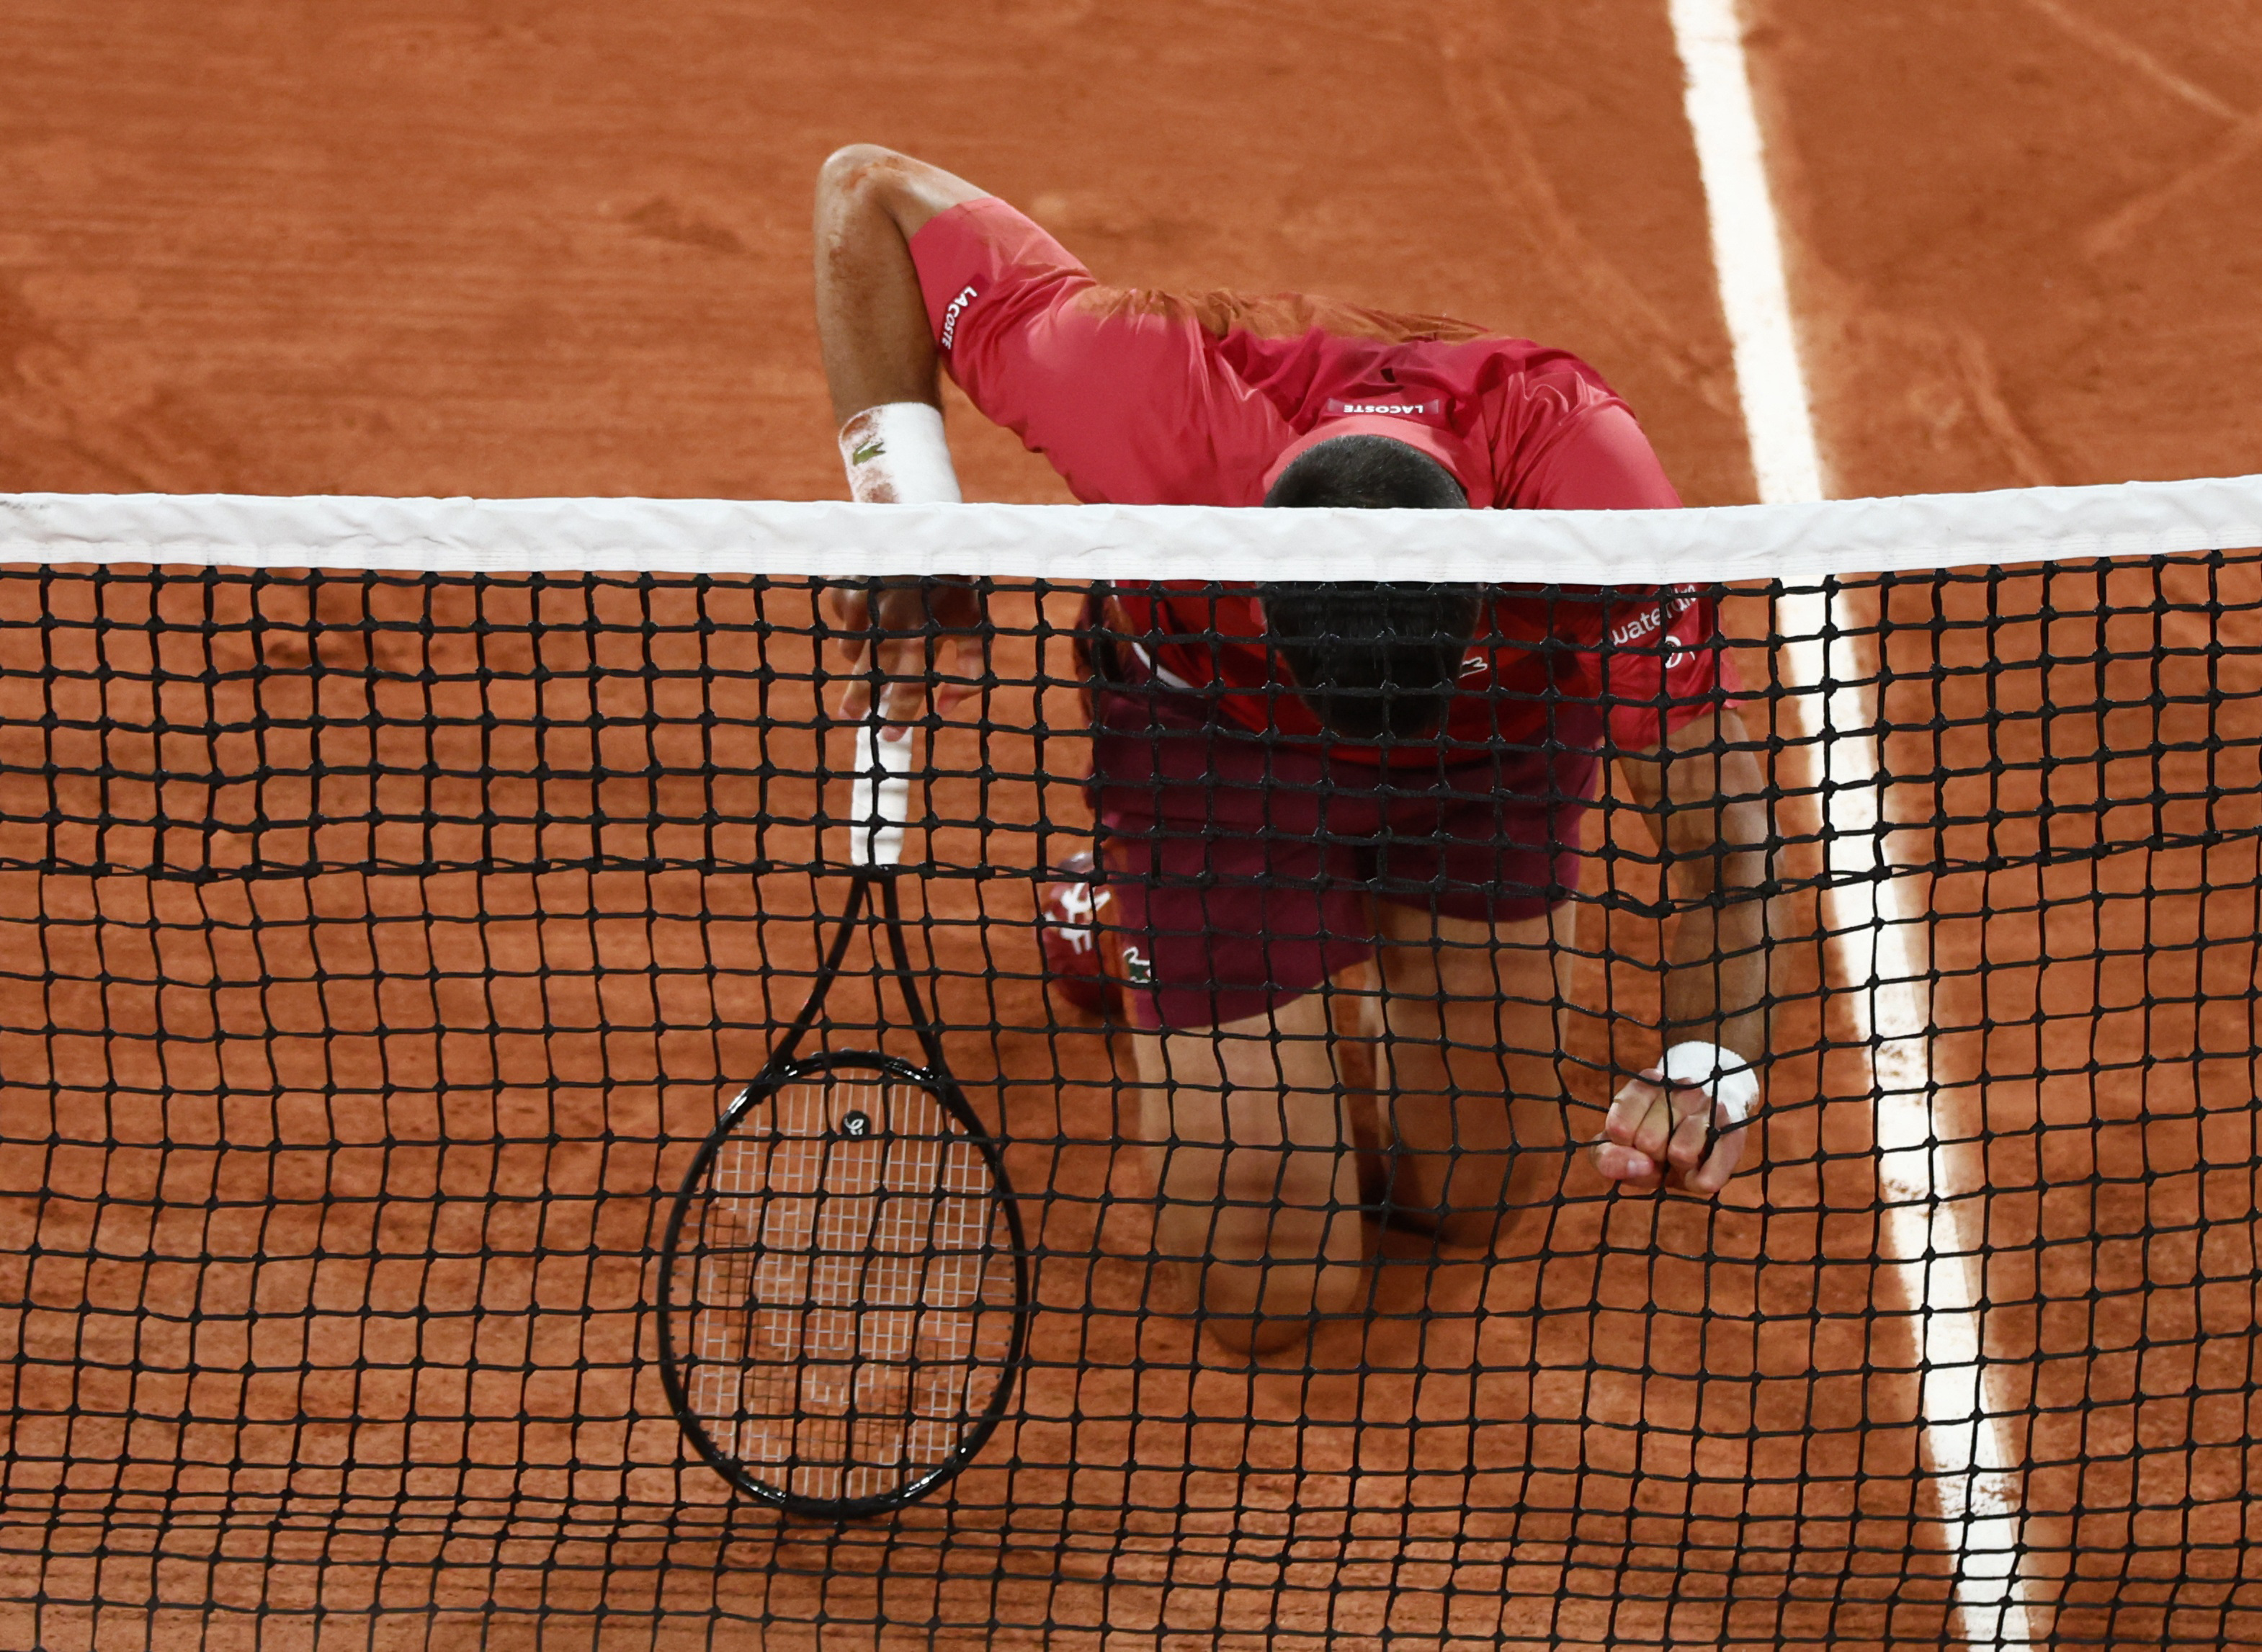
783	1068
978	1429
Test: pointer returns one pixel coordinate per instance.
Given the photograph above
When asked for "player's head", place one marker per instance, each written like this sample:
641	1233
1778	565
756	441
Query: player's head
1370	658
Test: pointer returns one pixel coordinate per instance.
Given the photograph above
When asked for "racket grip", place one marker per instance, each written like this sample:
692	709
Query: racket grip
880	800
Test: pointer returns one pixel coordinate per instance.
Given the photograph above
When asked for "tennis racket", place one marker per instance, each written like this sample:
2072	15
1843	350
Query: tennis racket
844	1287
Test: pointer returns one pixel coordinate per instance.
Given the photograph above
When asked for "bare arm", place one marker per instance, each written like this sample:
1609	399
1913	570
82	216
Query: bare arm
1705	800
871	320
872	331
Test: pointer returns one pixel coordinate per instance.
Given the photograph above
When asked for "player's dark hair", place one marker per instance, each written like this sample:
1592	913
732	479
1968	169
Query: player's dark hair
1372	660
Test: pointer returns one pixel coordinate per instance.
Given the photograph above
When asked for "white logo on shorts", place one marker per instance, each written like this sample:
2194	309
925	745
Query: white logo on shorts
1080	904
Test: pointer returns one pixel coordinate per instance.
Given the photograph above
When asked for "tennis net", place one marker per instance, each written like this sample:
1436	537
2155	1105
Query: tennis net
396	892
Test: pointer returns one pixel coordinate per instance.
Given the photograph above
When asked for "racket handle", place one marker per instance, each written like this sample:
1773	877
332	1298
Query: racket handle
880	800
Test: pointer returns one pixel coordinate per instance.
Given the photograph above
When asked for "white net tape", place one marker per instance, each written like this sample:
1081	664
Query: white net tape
1167	542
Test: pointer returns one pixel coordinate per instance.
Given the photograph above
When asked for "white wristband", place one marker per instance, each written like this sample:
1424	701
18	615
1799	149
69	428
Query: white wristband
896	455
1735	1088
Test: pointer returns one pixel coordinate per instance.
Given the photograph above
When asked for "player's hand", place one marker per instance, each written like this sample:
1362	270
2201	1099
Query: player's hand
927	632
1655	1136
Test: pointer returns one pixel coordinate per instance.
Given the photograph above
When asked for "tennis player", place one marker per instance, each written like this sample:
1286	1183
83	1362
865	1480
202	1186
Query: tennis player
1303	788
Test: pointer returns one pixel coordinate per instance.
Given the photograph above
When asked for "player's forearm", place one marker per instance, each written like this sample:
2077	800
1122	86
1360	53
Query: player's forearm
1715	969
1706	797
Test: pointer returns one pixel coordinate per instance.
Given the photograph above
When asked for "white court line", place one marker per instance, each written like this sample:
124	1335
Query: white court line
1874	937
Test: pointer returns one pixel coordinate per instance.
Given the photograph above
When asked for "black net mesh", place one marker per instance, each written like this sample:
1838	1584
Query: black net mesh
379	949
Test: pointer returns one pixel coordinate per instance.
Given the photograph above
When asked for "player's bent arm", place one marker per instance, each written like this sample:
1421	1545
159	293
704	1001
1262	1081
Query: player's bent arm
1705	797
880	366
871	319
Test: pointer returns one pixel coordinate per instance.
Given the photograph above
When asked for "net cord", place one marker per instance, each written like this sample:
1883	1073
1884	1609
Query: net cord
1792	543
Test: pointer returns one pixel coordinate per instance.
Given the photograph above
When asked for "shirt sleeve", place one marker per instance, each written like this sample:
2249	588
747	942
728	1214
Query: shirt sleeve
1660	666
1597	460
1653	658
1122	390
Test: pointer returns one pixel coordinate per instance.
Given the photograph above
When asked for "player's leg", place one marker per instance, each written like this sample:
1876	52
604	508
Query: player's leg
1475	945
1470	1094
1259	1198
871	320
1234	907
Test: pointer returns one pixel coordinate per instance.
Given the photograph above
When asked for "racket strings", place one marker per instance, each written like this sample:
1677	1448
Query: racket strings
855	1299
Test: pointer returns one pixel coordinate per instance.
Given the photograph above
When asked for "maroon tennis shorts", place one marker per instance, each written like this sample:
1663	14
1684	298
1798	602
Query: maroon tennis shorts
1245	867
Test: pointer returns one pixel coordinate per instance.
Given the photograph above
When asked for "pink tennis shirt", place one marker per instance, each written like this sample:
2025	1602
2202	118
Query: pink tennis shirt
1142	397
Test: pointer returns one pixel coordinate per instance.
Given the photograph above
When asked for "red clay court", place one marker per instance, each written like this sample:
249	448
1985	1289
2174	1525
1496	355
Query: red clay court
379	949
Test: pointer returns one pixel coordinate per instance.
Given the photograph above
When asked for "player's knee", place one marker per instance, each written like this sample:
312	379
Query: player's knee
1254	1338
1467	1206
1254	1305
1258	1179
